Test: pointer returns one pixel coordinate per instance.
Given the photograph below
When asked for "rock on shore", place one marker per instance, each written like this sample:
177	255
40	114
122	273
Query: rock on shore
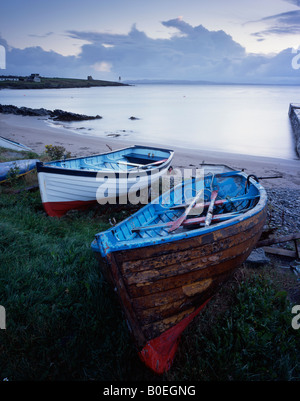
57	114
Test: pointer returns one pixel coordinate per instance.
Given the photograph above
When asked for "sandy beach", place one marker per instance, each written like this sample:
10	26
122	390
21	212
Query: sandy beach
36	132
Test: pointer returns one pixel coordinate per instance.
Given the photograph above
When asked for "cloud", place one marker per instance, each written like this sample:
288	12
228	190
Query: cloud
288	18
191	53
46	35
287	23
102	66
37	60
296	2
179	24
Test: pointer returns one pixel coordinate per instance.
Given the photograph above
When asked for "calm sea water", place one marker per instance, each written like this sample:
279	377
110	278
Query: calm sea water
239	119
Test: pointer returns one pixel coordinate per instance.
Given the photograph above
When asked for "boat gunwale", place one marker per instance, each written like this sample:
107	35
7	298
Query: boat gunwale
50	168
109	153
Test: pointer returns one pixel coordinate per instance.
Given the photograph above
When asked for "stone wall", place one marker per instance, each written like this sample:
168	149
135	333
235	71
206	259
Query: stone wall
294	114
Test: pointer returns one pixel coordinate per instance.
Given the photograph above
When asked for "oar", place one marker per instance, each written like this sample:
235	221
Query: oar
209	215
124	163
218	202
215	219
154	163
177	223
188	222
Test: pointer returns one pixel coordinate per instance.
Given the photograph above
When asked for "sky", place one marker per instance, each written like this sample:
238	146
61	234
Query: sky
249	41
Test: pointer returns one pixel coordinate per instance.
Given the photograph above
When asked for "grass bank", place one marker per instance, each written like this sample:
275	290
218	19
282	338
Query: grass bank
63	321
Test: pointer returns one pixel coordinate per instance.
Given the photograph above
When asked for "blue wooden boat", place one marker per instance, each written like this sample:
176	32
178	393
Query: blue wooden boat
77	183
16	167
169	258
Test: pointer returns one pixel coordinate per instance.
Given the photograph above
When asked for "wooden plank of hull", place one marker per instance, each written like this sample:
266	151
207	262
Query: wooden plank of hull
156	321
202	250
154	330
127	306
205	288
159	300
190	271
189	243
168	290
187	265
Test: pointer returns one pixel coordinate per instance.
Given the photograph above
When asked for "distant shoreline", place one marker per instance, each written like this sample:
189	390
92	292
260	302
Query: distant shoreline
55	83
202	83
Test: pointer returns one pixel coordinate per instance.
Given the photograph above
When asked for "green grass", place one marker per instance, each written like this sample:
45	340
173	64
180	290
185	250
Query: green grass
64	322
251	340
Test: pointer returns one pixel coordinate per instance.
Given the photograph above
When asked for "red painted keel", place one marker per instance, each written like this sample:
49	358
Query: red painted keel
58	209
158	354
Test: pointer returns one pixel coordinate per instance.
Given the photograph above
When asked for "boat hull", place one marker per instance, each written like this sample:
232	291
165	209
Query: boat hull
163	287
106	178
9	144
16	168
63	192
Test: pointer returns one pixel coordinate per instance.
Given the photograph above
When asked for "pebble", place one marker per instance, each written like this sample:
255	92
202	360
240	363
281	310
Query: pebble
284	210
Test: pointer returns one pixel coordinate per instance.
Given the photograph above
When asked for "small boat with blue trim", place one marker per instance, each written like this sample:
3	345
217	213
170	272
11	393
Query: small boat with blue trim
16	168
10	144
77	183
169	258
